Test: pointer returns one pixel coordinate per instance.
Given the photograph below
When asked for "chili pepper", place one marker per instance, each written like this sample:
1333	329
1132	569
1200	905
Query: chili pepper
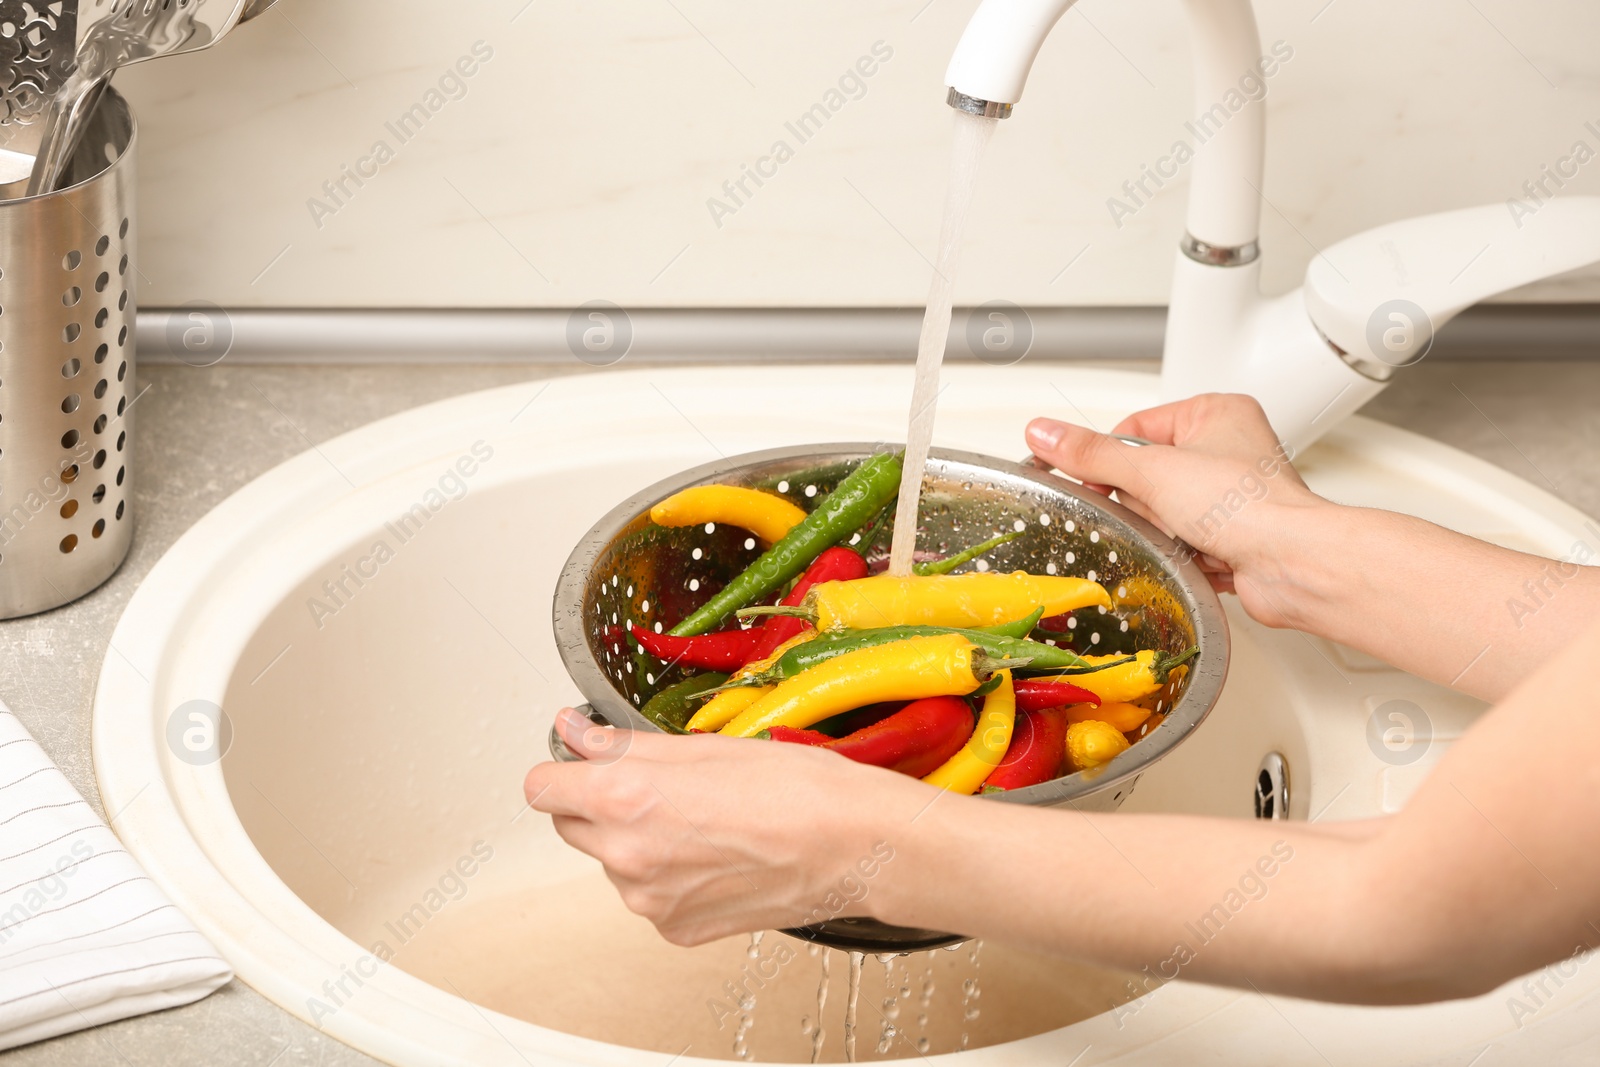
1121	682
766	515
950	563
972	599
793	736
946	665
1122	716
1037	752
1091	744
859	719
867	539
672	708
1021	628
1036	694
856	498
725	703
829	646
1146	728
965	771
725	651
835	565
916	740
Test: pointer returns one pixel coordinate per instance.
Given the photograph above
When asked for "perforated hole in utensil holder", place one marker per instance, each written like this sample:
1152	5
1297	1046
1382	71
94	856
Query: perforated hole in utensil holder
66	287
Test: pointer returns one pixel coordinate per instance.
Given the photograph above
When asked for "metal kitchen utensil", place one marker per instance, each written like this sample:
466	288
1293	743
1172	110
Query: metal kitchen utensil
38	40
627	569
112	34
67	372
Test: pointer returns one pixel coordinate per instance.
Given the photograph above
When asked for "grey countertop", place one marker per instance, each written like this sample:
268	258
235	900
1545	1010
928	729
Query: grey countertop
202	434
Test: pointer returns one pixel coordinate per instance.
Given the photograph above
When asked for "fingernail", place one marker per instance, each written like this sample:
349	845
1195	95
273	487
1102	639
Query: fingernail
1046	433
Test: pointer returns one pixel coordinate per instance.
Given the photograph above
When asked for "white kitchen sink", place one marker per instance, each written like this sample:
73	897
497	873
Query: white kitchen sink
374	617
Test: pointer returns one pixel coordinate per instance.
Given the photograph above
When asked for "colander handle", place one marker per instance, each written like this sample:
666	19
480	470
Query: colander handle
558	748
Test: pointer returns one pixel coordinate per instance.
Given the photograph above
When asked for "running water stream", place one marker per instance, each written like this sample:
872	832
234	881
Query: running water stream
972	135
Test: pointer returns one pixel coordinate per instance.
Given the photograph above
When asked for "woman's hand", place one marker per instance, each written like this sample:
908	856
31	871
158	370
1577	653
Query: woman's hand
1215	476
708	836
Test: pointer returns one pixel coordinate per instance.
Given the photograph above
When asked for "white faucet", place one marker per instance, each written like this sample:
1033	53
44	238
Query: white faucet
1370	303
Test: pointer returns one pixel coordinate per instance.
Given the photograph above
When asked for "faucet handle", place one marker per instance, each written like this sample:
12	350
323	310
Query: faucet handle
1380	297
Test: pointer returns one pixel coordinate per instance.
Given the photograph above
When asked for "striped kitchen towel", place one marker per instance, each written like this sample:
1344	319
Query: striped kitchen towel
85	936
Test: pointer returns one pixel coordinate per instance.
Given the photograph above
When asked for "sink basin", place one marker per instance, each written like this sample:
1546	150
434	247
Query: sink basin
322	701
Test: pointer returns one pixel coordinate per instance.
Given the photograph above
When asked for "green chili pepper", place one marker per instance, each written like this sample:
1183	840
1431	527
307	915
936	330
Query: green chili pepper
950	563
868	536
1036	656
671	708
856	499
1021	628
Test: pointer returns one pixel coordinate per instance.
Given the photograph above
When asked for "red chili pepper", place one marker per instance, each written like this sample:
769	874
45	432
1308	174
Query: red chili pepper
725	651
1037	754
915	740
834	565
794	736
1036	694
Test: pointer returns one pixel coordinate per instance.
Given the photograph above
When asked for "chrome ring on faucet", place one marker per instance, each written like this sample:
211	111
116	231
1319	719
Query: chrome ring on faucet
985	109
1218	255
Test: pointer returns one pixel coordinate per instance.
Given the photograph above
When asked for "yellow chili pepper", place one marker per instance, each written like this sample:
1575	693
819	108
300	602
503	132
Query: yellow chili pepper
1124	717
962	600
767	516
1130	681
966	770
1091	744
946	665
726	705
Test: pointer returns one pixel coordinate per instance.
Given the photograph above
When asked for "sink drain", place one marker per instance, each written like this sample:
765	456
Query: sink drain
1272	787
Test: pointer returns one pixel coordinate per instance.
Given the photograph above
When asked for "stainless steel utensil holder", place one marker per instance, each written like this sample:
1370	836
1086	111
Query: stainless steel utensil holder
67	303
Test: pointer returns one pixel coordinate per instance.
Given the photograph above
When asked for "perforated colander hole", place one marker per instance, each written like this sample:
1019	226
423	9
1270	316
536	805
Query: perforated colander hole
99	528
696	554
1072	622
101	353
101	317
1071	526
711	527
69	474
750	542
100	424
122	337
122	301
70	404
783	487
645	607
1092	576
1044	519
1111	557
100	389
122	405
1094	639
122	439
72	260
102	246
70	368
811	490
69	439
1049	568
101	282
122	231
1019	526
69	542
99	494
120	472
120	505
1072	557
71	297
100	459
122	372
69	509
71	332
1124	626
1094	537
122	267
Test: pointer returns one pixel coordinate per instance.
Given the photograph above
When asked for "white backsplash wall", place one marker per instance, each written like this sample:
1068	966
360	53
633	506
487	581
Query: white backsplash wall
577	160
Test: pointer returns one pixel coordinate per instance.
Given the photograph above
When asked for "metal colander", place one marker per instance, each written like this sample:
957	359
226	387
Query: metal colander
67	305
627	569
